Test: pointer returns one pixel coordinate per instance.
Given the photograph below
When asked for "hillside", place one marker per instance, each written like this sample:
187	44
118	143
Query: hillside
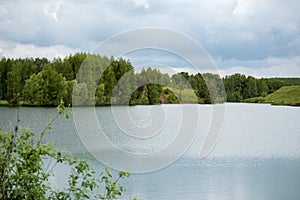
286	95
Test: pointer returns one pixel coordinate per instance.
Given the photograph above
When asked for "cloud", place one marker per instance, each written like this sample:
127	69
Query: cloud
29	50
52	9
241	30
171	64
267	72
229	29
141	3
269	67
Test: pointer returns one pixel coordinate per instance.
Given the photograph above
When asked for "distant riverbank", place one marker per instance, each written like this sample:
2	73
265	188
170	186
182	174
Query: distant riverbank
286	95
108	80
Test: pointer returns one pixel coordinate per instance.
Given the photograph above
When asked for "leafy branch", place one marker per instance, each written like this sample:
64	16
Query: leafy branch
23	174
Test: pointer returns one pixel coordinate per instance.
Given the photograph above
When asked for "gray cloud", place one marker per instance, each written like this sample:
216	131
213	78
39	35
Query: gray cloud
228	29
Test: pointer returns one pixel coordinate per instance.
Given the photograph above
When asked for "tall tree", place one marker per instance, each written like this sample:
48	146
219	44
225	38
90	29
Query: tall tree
262	87
251	85
14	82
200	88
45	88
5	67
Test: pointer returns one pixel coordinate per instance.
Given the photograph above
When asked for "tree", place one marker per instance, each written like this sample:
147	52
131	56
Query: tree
33	93
109	80
180	80
140	96
251	85
209	88
200	88
274	84
262	87
100	97
124	88
215	88
75	61
45	88
80	94
69	92
20	71
39	63
152	88
154	91
5	66
120	67
14	82
235	86
23	175
64	68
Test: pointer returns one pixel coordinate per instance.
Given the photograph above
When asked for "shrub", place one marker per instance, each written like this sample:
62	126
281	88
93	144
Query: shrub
23	175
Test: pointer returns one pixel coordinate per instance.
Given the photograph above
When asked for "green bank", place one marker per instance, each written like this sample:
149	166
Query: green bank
286	95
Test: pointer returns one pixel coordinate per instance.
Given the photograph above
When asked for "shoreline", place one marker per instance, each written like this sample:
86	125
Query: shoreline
4	103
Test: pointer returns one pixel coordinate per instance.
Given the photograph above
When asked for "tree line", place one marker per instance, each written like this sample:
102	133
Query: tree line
109	80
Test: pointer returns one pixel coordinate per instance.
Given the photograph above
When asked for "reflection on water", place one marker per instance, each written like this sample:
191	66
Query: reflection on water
257	156
212	179
209	179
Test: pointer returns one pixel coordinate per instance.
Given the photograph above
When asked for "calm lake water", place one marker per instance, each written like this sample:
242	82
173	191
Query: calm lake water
256	157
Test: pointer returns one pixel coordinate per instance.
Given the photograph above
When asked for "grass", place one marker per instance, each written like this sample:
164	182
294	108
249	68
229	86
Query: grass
7	103
4	103
182	96
287	95
185	95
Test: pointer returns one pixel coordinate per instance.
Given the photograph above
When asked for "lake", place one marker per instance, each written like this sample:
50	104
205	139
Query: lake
256	156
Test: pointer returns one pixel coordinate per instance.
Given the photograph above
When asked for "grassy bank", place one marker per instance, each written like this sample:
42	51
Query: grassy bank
287	95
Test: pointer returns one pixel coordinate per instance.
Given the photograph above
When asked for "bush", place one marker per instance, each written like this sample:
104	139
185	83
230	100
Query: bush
23	176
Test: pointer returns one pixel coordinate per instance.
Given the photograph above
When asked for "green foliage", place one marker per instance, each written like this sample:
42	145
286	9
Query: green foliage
140	96
150	82
23	175
43	83
168	96
251	85
45	88
215	88
200	88
235	87
100	97
262	87
286	95
80	93
184	96
4	103
14	73
123	90
239	87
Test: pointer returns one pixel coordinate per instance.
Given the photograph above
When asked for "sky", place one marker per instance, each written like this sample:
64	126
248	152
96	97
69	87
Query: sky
254	37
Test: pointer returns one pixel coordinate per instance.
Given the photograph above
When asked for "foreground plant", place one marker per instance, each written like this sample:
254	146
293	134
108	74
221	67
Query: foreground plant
23	174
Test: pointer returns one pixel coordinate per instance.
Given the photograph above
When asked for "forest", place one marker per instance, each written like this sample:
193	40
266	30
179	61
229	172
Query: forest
41	82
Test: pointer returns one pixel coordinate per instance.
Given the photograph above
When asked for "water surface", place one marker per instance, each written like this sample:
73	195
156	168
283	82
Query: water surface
256	157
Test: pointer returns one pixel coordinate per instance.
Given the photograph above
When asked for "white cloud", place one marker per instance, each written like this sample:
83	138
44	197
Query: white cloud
268	72
256	29
13	50
270	67
274	71
52	9
228	29
141	3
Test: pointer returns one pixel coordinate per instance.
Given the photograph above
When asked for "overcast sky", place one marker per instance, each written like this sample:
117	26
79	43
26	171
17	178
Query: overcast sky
255	37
